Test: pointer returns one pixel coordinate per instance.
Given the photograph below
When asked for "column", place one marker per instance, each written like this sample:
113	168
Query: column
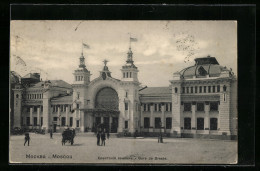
224	110
193	117
176	110
110	122
38	117
142	117
131	117
59	117
75	119
121	117
163	117
31	116
82	124
67	116
152	117
206	119
102	119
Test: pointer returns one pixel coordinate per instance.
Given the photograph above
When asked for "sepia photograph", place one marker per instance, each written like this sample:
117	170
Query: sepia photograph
123	92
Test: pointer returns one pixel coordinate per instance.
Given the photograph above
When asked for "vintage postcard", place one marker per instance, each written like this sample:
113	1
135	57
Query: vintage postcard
123	92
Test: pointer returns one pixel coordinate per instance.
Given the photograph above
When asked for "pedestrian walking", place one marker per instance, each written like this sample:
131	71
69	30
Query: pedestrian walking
26	138
103	138
51	133
98	138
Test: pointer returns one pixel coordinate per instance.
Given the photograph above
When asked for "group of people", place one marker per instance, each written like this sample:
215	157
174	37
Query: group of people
102	135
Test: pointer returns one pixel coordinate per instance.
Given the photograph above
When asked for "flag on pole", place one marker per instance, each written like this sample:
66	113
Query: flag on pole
133	39
85	46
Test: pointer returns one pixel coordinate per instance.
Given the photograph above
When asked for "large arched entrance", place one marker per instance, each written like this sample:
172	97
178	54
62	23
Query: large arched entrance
106	110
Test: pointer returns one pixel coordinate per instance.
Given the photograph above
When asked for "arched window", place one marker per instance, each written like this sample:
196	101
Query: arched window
107	98
17	95
176	90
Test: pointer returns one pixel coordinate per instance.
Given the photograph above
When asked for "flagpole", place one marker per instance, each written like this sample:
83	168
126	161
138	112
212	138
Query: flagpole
82	47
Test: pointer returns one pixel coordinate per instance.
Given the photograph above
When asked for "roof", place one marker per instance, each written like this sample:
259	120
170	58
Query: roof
54	83
67	97
155	91
30	75
14	77
204	66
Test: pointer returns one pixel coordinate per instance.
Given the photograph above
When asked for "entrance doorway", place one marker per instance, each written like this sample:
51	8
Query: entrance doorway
114	125
106	123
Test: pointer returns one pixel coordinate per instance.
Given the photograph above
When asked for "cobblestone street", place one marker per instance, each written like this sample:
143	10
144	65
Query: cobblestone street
42	149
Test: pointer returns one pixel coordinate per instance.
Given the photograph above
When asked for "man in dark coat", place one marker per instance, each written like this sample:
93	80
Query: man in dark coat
26	138
103	138
98	138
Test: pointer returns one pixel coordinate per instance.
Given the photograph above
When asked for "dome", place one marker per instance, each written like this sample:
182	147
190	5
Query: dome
204	66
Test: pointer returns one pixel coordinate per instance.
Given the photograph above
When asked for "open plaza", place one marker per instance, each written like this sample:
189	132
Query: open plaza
128	150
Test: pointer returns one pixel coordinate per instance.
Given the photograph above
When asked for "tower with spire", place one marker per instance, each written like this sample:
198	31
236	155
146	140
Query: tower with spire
81	74
131	86
129	70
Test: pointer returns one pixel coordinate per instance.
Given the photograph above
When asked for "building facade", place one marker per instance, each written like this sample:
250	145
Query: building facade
199	102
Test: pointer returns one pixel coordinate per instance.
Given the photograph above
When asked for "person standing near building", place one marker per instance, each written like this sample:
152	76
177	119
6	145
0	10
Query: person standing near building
103	138
26	138
98	138
51	133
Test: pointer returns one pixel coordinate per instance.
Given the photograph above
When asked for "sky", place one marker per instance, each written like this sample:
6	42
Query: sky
53	48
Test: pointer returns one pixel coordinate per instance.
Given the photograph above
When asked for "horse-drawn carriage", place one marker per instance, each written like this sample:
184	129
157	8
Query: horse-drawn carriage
68	136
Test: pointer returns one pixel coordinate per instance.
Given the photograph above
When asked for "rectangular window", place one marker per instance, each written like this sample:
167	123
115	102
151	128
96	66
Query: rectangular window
187	89
146	122
77	106
77	123
148	107
170	107
126	106
200	123
213	89
130	74
41	120
41	108
35	121
98	120
61	108
144	107
205	89
166	107
155	107
160	107
126	124
34	108
169	123
157	122
55	118
187	106
183	89
187	123
63	121
127	75
196	89
71	121
191	90
123	75
218	88
28	121
126	94
213	123
200	106
209	89
214	106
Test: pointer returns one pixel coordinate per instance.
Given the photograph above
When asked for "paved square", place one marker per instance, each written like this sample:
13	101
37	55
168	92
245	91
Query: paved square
122	150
